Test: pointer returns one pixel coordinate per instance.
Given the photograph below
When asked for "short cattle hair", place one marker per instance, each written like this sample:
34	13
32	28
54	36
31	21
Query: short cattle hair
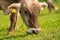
29	12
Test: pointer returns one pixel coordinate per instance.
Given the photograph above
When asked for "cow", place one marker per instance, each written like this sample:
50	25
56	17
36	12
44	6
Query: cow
51	6
29	11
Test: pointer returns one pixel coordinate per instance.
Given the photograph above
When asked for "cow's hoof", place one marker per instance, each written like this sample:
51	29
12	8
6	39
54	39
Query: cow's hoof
10	33
33	30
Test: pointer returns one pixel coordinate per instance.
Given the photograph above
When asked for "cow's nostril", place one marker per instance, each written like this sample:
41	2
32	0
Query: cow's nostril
35	31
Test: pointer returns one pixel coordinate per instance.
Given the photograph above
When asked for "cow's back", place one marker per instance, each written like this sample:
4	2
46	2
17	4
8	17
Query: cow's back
5	3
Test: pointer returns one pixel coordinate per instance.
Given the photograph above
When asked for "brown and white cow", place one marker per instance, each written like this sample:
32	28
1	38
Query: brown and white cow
51	6
29	11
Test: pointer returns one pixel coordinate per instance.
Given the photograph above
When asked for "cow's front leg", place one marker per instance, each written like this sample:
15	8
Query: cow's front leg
49	9
17	18
14	21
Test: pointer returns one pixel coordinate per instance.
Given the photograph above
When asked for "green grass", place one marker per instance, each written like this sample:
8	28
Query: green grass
49	23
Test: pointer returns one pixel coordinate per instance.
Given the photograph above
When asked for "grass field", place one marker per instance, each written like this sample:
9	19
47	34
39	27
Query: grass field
49	23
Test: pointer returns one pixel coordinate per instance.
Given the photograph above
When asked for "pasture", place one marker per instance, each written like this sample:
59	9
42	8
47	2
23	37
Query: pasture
49	23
